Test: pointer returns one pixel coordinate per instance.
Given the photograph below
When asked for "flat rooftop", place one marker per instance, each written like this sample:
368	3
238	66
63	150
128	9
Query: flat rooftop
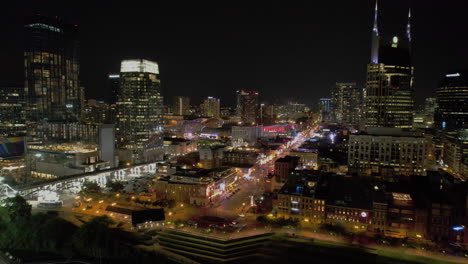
65	148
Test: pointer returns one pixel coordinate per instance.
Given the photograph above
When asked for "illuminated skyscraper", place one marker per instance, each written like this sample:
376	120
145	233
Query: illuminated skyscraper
52	88
181	105
375	38
346	103
113	81
51	84
452	101
210	107
325	108
247	106
12	116
139	107
389	95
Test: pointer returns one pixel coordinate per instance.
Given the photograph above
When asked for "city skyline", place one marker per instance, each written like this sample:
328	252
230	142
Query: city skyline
216	53
259	133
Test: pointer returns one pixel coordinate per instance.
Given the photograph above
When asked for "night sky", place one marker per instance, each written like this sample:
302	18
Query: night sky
285	51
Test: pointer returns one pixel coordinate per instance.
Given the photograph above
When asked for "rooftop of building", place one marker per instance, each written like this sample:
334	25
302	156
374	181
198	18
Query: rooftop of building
346	191
198	172
390	132
301	183
278	128
194	173
140	215
287	159
213	147
64	148
435	188
455	79
238	165
243	150
224	128
305	150
175	140
278	139
148	215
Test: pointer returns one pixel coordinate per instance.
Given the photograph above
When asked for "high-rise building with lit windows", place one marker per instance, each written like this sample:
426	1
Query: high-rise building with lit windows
247	106
211	107
325	108
12	116
52	71
139	112
51	84
113	81
389	151
346	103
452	101
181	105
389	93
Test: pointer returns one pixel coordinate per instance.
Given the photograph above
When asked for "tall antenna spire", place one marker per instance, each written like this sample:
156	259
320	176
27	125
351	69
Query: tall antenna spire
408	26
375	38
376	28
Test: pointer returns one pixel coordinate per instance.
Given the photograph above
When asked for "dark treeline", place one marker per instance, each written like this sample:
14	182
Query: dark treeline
46	234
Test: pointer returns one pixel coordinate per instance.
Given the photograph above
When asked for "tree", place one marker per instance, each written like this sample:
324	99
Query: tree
115	186
19	229
171	204
338	229
262	219
18	208
95	237
90	187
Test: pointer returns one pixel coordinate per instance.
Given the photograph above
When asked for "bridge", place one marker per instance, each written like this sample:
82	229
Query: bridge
75	182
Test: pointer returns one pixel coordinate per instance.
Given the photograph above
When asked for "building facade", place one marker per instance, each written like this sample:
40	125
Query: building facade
452	101
211	156
52	89
346	103
308	158
325	108
98	113
240	157
174	147
246	135
247	106
113	82
197	186
298	199
284	166
389	92
54	161
140	117
181	105
455	151
211	107
12	114
404	153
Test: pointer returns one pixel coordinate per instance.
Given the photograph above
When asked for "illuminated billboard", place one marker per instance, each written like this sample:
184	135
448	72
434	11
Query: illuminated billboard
11	147
139	66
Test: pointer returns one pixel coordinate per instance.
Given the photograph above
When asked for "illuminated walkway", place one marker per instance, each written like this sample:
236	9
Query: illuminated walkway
75	182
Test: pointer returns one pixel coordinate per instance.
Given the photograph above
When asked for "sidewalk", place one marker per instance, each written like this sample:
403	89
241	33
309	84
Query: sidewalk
376	249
